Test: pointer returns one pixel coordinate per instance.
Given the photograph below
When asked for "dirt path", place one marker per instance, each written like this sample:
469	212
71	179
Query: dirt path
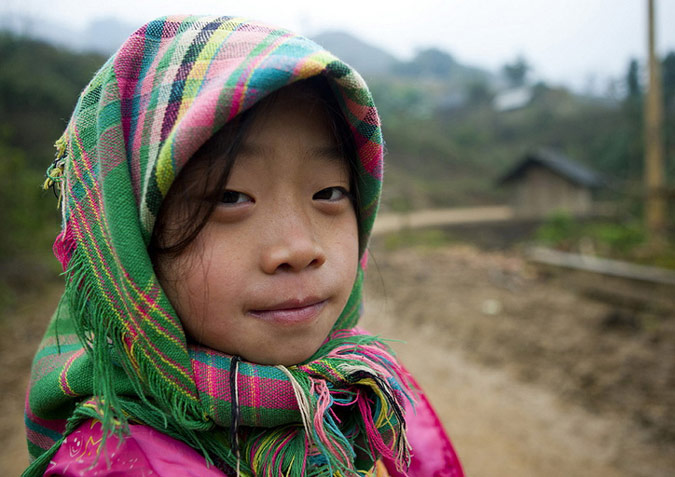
505	355
20	334
523	372
498	425
391	222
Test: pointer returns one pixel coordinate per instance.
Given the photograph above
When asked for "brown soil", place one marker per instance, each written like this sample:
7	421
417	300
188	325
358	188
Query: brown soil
20	333
531	374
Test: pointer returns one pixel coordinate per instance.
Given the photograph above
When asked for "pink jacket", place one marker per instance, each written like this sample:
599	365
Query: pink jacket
148	452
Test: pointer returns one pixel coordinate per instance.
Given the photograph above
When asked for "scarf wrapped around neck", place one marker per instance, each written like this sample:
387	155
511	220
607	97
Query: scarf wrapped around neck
115	349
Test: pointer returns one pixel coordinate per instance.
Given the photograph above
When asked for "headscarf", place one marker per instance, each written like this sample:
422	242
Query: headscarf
115	349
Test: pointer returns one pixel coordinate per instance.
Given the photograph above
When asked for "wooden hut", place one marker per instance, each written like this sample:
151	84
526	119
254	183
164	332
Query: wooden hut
546	181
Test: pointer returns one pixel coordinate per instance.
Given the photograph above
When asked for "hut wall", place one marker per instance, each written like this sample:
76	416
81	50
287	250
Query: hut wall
539	192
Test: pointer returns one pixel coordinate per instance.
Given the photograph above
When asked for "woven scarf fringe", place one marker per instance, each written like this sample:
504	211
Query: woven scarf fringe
322	444
167	411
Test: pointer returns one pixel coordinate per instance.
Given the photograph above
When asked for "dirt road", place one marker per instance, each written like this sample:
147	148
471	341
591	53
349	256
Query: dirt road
529	377
499	426
391	222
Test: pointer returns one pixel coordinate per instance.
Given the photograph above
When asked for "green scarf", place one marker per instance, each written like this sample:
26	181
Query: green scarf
115	349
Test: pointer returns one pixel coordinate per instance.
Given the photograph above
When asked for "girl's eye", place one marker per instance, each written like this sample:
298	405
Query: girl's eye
232	197
331	194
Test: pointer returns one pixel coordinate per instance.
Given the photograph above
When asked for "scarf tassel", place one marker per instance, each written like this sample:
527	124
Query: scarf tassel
372	427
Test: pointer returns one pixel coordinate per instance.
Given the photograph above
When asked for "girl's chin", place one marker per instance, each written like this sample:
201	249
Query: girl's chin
286	357
270	344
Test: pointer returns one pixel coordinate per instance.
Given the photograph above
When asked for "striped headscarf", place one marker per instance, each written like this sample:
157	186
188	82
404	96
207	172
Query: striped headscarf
115	349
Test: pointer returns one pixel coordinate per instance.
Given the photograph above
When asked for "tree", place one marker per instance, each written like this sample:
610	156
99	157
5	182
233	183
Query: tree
479	92
633	129
668	72
428	62
516	72
633	89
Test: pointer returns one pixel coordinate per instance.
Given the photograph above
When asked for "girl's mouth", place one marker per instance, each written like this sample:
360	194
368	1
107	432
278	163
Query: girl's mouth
291	312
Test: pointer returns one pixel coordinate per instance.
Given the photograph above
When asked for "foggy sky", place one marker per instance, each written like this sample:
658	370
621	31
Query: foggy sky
573	42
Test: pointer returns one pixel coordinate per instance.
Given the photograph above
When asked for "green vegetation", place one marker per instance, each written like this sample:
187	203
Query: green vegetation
459	154
564	232
39	85
447	144
612	239
418	238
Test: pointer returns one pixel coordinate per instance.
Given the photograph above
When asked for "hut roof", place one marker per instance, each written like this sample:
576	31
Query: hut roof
557	163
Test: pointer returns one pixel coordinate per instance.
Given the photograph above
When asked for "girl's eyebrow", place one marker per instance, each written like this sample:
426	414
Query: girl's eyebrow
332	152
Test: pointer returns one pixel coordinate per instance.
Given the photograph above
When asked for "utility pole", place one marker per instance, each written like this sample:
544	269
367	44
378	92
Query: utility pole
655	207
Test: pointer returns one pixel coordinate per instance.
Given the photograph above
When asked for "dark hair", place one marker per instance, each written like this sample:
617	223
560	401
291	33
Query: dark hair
214	161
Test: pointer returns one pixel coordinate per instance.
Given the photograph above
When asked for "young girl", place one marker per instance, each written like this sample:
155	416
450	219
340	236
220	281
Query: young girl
219	180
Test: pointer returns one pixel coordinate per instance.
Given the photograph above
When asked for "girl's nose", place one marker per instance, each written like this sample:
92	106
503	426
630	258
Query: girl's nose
294	247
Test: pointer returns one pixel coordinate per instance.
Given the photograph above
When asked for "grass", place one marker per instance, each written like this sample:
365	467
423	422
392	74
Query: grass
417	238
626	240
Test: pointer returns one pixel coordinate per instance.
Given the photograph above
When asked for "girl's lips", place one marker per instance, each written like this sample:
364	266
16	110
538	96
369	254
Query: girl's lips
292	312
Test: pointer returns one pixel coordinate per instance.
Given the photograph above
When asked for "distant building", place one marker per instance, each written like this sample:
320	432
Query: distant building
546	181
512	99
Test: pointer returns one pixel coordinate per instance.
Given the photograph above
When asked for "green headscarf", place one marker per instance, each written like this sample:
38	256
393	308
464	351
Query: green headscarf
115	349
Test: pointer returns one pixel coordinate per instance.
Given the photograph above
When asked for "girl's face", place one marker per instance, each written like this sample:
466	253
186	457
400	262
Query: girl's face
272	269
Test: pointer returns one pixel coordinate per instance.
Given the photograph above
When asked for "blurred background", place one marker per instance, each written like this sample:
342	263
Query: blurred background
526	245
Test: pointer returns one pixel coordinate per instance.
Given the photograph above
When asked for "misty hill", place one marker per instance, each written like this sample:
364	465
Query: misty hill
436	63
367	59
105	35
373	62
